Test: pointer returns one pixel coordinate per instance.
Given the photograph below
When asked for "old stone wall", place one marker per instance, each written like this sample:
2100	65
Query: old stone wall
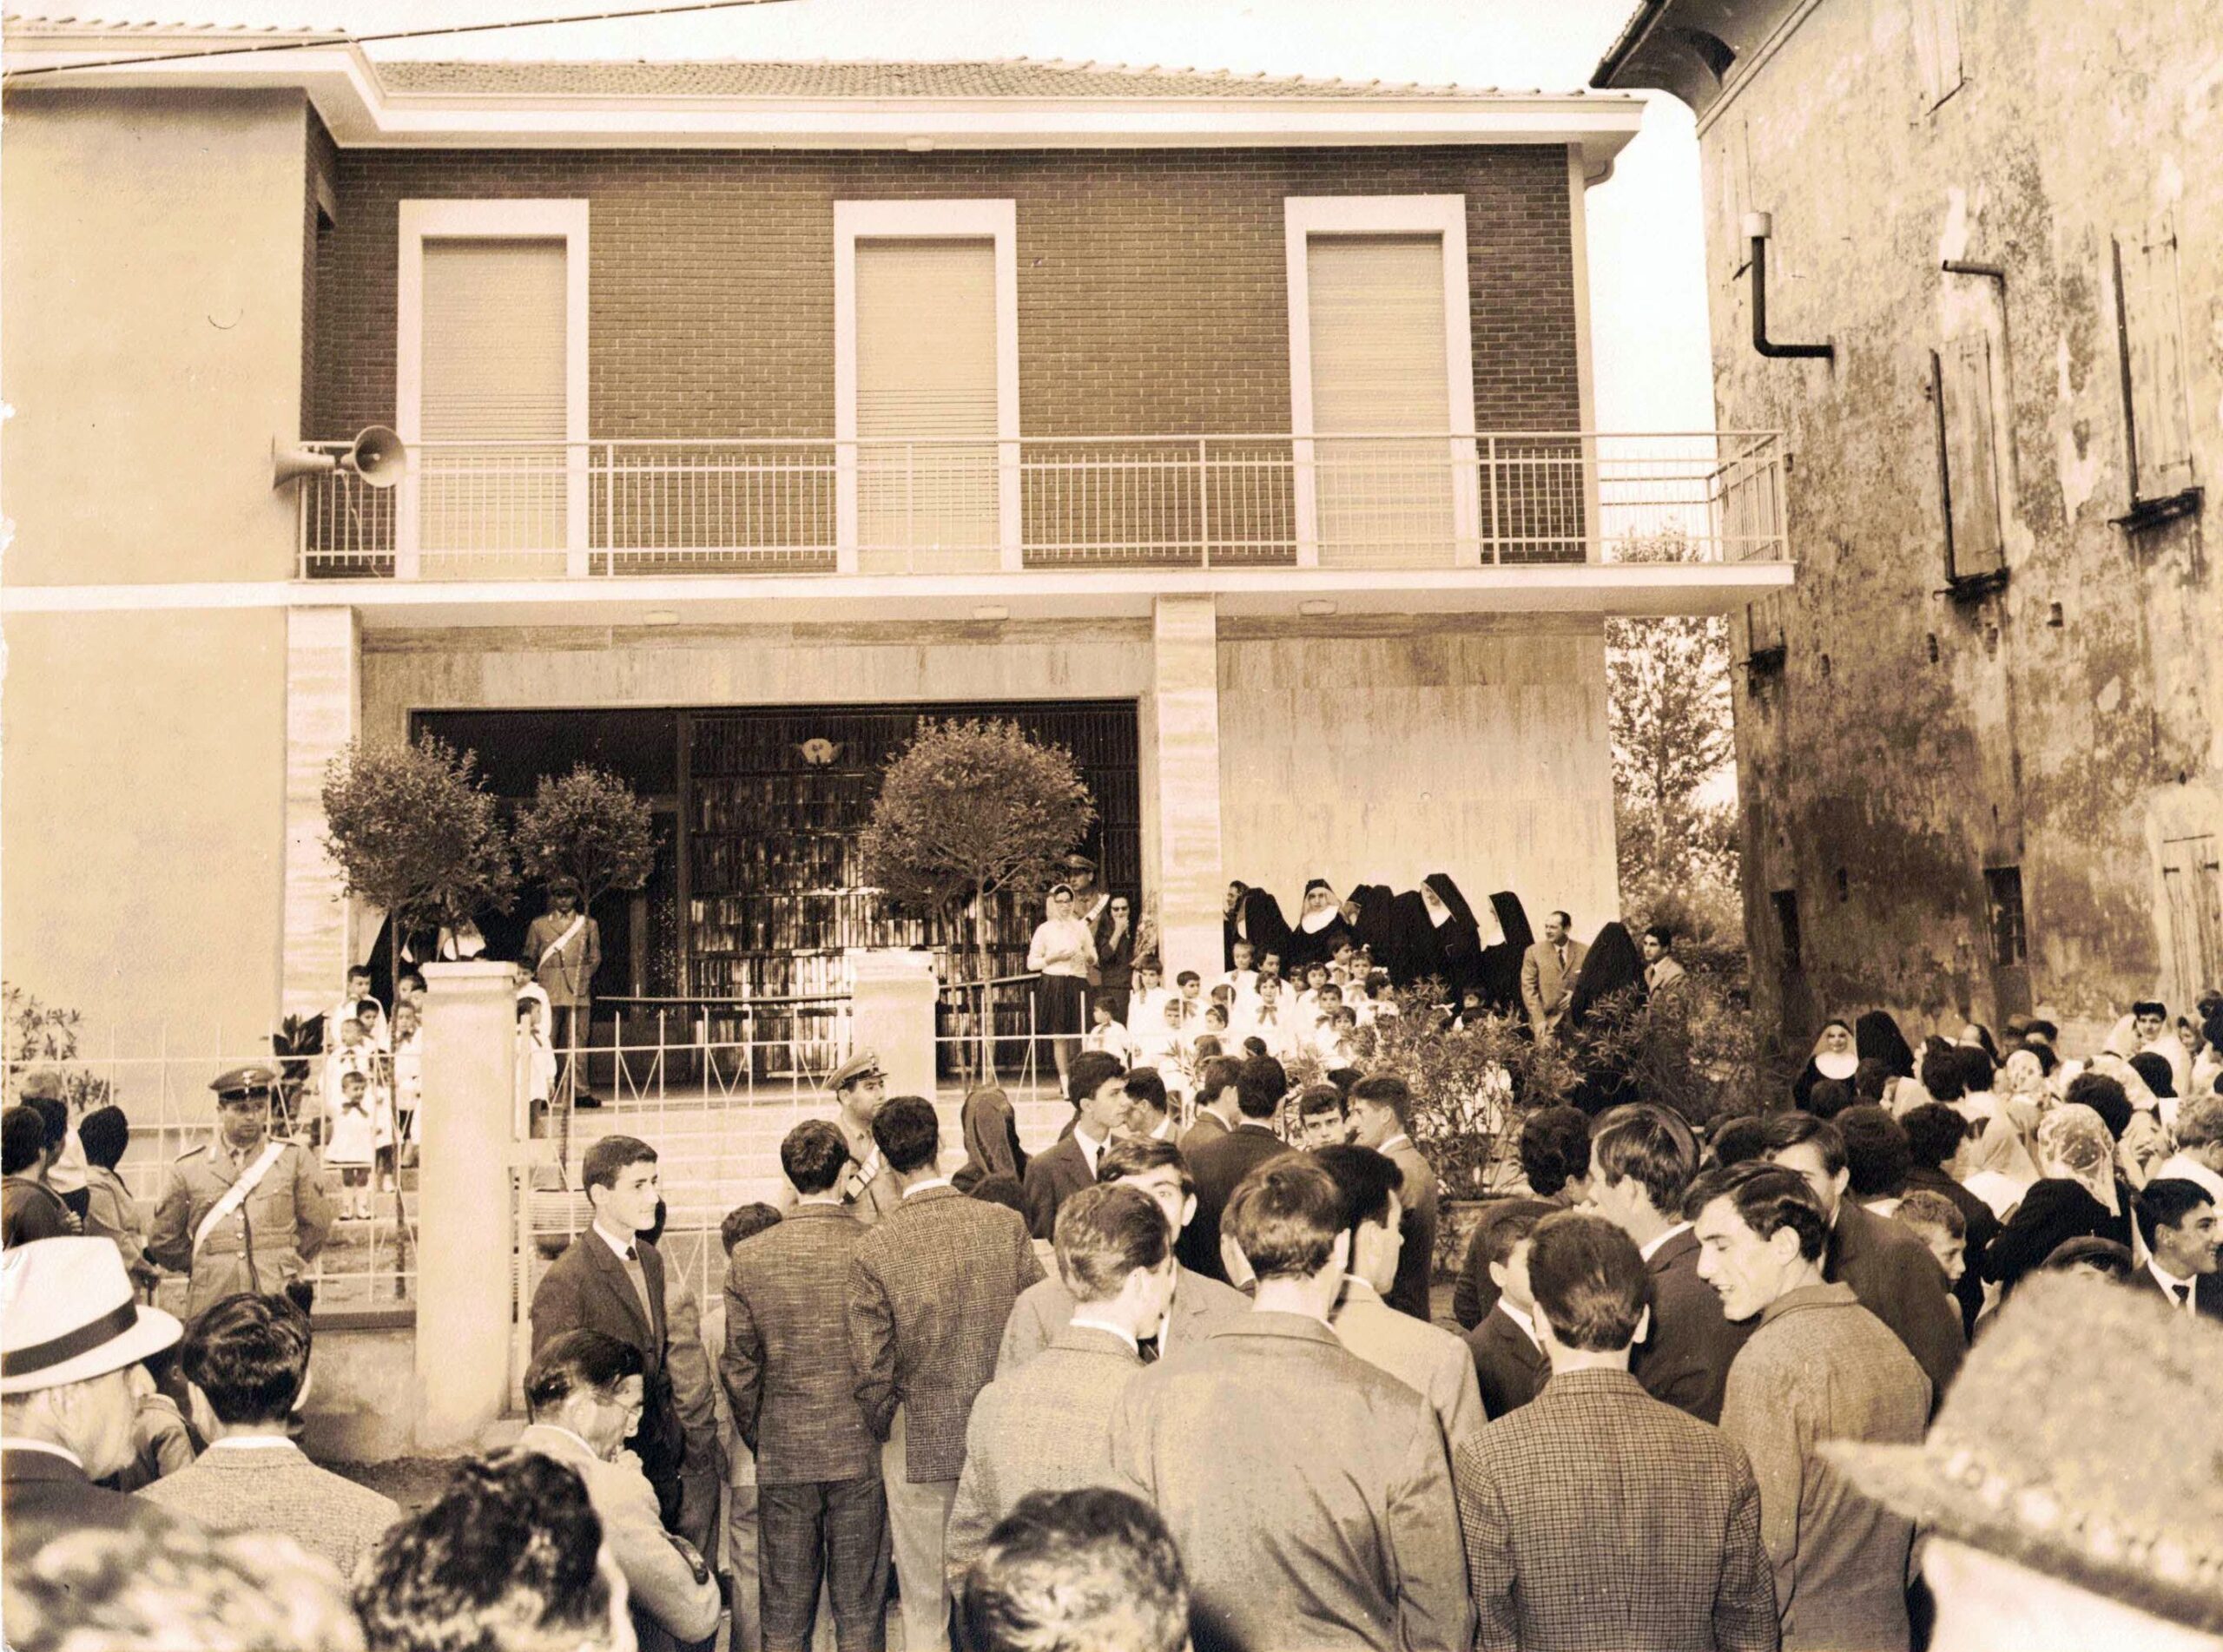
2064	722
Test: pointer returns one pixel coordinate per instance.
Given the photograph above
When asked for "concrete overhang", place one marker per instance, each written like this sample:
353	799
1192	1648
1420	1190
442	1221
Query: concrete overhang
1627	589
361	110
1694	49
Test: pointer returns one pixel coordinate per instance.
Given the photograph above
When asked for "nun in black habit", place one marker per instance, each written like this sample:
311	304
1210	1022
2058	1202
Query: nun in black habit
1258	920
1321	928
1230	923
1876	1037
1369	911
1415	949
1611	971
1458	937
1497	973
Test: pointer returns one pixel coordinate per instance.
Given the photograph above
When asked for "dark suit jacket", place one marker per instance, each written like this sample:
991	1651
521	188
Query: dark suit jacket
1897	1279
586	1289
1408	1291
1217	1167
1685	1360
43	1496
1510	1369
1475	1292
930	1289
2054	1210
2206	1291
786	1363
1339	1531
1596	1517
1208	1128
1982	1226
1052	1177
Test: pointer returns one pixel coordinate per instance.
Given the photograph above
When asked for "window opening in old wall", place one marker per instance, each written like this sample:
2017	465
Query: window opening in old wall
2149	326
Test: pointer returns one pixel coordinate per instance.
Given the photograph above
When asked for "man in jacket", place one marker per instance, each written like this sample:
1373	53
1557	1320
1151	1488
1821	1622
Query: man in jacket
930	1289
1595	1516
612	1280
1310	1492
584	1391
821	1508
1219	1165
563	948
1642	1161
1098	1085
1547	972
1382	1107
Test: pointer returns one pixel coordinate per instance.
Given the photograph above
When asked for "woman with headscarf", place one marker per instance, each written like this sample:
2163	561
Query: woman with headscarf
1115	949
2077	1196
1061	954
1833	1057
992	1148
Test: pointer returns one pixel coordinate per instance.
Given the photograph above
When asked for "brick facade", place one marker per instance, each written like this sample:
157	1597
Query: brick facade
1153	285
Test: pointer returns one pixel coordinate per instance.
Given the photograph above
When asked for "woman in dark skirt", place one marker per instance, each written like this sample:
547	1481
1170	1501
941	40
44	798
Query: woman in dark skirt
1062	952
1115	950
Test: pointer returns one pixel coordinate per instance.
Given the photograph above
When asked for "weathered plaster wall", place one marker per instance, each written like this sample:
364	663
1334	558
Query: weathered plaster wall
1370	753
2070	722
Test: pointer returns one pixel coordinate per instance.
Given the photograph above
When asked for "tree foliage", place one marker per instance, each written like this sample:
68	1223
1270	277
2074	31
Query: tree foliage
971	809
414	831
588	826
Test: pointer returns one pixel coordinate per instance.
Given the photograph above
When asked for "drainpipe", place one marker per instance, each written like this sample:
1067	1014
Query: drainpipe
1758	226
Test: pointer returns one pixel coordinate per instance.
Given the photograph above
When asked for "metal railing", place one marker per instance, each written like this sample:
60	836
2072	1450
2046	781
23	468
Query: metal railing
630	508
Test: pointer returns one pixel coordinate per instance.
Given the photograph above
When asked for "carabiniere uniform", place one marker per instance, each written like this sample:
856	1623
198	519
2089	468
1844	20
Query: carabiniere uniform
230	1242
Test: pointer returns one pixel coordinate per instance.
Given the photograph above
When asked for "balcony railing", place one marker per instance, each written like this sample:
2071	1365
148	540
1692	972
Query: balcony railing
617	508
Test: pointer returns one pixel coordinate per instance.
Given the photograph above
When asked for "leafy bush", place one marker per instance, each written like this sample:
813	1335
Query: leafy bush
34	1035
588	826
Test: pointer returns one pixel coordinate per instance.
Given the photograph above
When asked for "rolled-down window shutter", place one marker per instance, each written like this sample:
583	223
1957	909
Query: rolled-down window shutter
1377	339
927	462
495	350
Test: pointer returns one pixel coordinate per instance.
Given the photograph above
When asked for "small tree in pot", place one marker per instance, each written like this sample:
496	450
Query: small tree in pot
969	810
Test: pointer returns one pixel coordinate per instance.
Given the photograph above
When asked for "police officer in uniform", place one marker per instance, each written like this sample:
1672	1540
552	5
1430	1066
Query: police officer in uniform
247	1212
867	1186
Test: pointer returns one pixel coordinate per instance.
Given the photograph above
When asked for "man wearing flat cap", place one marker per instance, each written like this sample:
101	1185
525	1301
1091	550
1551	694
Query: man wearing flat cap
73	1332
248	1212
2070	1486
867	1186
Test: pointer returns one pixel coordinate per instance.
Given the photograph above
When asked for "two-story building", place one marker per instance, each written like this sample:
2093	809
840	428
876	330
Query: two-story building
1236	431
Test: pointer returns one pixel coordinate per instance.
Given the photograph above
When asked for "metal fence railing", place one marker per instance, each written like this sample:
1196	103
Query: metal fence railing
630	508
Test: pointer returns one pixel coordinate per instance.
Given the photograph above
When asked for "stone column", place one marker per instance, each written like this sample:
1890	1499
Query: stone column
464	1228
323	713
891	1011
1184	756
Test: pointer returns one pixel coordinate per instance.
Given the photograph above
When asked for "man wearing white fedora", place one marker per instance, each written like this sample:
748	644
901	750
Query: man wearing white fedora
74	1331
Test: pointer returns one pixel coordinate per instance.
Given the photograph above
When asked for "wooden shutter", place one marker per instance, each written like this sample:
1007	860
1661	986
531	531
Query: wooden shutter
2150	322
1974	545
494	351
925	320
2192	879
1936	28
1378	331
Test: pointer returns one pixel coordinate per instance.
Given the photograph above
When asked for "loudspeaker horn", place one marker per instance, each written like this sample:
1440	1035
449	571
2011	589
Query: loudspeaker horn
378	455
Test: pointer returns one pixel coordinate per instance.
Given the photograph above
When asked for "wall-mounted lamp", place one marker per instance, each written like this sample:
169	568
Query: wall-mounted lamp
1758	226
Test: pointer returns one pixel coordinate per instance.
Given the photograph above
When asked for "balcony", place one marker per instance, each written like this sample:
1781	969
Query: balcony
1400	505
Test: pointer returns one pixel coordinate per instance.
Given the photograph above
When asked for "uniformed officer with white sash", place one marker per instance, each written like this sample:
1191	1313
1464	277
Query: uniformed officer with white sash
247	1212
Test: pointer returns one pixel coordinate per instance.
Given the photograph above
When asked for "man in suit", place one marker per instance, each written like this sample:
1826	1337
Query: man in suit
1044	1426
1382	1107
1595	1516
246	1363
821	1508
1098	1086
582	1392
1220	1165
1818	1368
75	1331
1890	1269
1510	1364
1642	1161
562	947
1662	969
1216	1108
1547	972
1309	1491
2176	1218
1554	1152
1429	1361
1201	1304
612	1281
930	1289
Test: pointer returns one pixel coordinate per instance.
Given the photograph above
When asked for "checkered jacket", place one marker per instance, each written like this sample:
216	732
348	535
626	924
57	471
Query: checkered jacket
1595	1516
275	1488
930	1288
786	1359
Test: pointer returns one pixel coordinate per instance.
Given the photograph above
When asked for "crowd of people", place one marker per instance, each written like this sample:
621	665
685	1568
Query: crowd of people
1926	1357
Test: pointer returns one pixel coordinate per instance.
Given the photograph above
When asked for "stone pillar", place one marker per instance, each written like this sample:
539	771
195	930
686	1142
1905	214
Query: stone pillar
891	1011
323	713
1184	756
464	1219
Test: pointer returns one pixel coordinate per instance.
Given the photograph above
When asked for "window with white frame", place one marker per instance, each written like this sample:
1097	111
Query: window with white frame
1381	380
490	390
927	383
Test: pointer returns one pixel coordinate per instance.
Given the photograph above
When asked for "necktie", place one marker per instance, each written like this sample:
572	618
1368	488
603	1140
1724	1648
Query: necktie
631	1254
2180	1295
1147	1346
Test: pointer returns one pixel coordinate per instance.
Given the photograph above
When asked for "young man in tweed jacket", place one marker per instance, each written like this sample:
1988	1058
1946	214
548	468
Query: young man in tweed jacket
930	1288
